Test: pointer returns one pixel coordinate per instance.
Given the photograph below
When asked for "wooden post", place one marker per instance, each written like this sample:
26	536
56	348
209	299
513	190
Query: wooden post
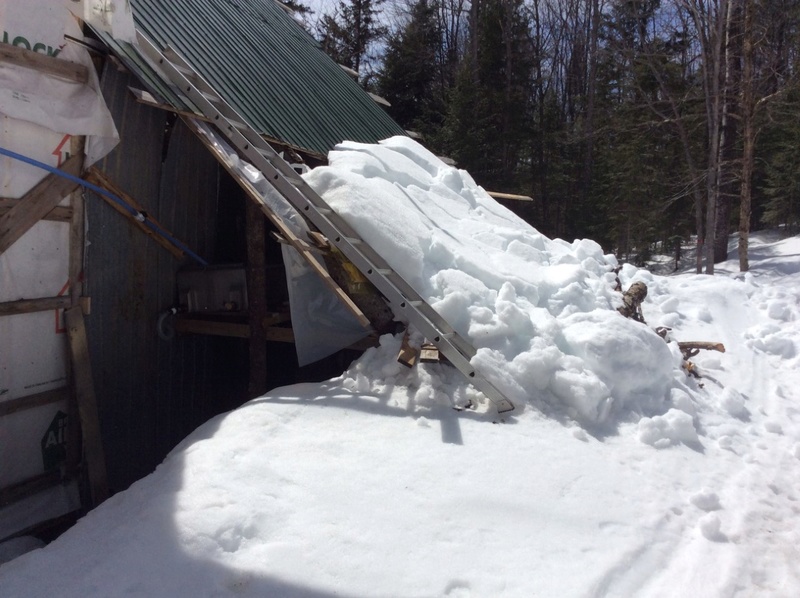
77	244
256	298
83	384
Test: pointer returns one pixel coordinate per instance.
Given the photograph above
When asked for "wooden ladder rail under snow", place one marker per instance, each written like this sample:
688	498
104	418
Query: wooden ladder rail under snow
405	302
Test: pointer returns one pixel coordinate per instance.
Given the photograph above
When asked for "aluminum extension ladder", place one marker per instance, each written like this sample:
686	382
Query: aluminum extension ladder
405	302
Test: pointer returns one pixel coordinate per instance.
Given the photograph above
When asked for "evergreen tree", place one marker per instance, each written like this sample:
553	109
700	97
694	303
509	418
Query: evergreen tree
488	117
349	34
411	75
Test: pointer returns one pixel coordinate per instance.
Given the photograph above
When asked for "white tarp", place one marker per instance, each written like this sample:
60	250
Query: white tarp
62	106
39	115
112	16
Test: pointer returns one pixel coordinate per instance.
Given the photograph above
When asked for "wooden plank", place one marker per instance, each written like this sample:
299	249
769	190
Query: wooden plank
279	334
29	487
255	225
76	231
37	203
36	400
301	246
408	354
188	325
146	98
57	214
429	353
94	455
98	178
512	196
49	65
77	243
27	306
275	318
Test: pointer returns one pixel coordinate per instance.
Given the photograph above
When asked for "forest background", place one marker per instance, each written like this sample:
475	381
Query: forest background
641	124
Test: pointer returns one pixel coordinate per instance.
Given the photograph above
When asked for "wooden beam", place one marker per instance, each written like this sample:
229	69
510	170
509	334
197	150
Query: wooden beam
28	306
76	231
77	243
83	385
146	98
25	488
98	178
57	214
256	238
188	325
408	354
37	203
498	195
49	65
278	334
36	400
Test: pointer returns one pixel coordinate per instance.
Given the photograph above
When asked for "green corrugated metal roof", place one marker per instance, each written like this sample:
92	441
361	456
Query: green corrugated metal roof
139	67
268	68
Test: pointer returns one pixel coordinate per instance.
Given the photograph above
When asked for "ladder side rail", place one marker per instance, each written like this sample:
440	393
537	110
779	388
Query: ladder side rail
298	193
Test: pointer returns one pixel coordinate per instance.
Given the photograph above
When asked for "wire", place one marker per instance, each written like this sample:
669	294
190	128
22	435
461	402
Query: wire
136	214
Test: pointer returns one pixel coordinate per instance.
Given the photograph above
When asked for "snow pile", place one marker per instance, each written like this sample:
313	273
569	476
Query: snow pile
371	485
540	312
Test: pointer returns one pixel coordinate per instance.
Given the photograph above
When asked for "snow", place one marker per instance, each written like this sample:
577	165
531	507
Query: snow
617	475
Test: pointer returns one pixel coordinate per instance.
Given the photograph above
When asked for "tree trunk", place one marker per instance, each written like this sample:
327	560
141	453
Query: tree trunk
727	177
748	135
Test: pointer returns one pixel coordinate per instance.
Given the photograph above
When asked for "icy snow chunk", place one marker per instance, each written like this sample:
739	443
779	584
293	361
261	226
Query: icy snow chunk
773	427
670	305
778	310
732	401
681	400
771	338
587	396
710	526
630	359
665	430
706	500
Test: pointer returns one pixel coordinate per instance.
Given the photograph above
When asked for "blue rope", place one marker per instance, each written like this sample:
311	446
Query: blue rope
141	217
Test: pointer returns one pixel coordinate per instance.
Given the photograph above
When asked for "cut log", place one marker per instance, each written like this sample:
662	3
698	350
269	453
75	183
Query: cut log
632	300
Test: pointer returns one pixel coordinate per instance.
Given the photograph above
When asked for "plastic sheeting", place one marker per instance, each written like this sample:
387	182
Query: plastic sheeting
321	324
39	115
65	107
112	16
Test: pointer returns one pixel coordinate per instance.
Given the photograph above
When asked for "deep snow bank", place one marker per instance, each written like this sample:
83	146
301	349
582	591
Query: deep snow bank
540	312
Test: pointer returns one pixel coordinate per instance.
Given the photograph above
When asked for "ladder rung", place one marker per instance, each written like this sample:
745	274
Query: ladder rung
211	97
380	271
235	124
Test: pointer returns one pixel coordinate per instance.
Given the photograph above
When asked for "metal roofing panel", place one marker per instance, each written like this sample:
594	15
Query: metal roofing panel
268	68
